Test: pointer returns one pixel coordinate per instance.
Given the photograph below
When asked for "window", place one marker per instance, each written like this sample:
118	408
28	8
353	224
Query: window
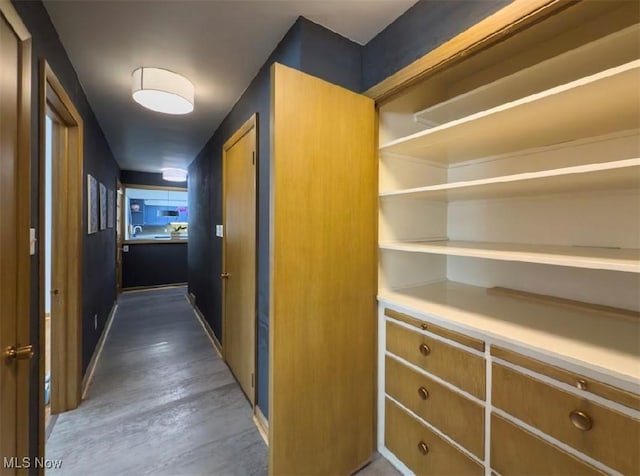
155	214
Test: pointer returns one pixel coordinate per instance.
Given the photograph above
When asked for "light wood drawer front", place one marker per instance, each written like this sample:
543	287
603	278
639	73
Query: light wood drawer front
516	451
613	438
403	436
461	368
582	382
453	414
471	342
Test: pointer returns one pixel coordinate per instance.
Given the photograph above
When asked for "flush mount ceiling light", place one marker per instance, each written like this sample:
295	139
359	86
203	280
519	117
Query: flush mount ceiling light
174	175
162	91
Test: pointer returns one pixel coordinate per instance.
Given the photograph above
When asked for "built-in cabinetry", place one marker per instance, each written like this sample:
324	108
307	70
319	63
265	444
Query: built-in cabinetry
322	277
509	255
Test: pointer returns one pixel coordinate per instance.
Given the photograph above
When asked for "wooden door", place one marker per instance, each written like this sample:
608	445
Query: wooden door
15	92
239	261
323	276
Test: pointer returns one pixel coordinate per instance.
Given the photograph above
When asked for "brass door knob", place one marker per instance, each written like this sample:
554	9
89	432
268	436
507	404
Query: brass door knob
581	420
22	353
423	448
423	393
424	349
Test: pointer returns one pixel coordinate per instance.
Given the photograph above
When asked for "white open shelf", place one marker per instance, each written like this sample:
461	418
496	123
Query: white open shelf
614	259
589	338
617	47
620	174
598	104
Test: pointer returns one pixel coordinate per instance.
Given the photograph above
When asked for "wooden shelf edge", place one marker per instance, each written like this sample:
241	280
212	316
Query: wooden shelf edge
521	177
539	254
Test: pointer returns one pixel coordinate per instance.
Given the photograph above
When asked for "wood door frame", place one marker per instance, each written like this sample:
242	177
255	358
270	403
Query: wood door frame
119	234
23	218
66	331
250	125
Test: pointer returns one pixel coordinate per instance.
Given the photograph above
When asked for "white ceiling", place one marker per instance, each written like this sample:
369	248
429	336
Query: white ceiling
218	45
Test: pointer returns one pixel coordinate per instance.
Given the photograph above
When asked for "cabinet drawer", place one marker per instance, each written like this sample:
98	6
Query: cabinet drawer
422	450
606	435
461	368
516	451
453	414
471	342
581	382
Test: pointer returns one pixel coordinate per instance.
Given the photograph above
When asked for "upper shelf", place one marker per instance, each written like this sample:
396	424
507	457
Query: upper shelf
613	259
620	174
615	49
599	104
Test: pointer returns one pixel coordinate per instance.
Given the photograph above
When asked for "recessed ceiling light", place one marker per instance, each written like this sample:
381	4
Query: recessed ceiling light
174	175
162	91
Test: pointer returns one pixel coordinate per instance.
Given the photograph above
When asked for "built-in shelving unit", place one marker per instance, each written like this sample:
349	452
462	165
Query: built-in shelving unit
528	179
509	218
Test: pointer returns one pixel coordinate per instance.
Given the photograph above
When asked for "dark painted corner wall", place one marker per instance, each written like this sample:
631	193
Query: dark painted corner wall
422	28
308	47
98	253
315	50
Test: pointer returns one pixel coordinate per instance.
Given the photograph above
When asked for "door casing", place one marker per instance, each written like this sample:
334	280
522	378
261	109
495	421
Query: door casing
66	249
248	275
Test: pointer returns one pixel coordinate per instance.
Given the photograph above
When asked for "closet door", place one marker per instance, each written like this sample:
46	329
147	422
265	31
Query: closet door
323	276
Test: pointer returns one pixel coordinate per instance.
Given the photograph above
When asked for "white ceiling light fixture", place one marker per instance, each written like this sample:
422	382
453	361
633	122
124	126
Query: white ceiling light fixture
174	175
162	91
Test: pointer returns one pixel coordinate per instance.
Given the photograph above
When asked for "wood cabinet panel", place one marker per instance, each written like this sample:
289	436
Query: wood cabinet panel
461	368
453	414
322	277
604	434
405	437
582	382
516	451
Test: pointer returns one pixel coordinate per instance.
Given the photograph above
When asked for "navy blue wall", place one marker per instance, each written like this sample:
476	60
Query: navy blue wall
205	205
317	51
98	253
153	264
422	28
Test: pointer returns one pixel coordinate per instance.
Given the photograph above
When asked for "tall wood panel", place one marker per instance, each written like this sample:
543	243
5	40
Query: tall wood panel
323	276
15	130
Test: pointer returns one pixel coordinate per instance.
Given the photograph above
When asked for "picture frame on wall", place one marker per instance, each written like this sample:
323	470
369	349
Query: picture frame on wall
103	207
111	203
92	204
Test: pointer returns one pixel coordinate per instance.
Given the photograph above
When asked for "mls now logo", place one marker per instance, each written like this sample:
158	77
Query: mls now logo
27	463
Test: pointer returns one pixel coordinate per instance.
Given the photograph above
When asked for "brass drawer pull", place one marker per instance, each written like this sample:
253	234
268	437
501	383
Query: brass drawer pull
424	349
423	392
581	384
581	420
424	326
423	448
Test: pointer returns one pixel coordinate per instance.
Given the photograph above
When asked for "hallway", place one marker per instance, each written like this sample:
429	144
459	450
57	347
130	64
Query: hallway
161	401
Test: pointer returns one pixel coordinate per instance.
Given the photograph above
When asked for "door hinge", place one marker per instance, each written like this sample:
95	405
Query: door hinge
253	380
253	158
